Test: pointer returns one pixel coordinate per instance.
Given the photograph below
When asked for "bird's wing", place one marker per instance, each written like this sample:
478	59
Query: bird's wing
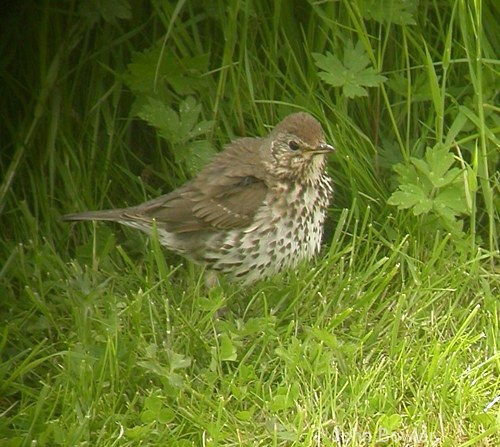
235	205
224	195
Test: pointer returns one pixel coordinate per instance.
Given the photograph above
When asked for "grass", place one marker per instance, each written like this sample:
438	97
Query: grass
391	337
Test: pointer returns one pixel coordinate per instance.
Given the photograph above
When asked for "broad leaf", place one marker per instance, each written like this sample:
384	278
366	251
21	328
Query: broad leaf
353	74
399	12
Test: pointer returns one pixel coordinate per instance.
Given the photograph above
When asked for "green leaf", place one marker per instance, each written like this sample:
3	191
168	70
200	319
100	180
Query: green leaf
137	432
163	118
352	74
148	416
399	12
108	10
390	422
178	361
153	403
154	367
244	415
166	415
436	166
189	111
407	173
280	402
227	350
439	159
154	71
194	156
411	196
176	128
432	186
176	380
450	177
451	200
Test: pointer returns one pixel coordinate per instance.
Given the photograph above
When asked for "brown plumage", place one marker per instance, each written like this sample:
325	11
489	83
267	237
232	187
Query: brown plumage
258	207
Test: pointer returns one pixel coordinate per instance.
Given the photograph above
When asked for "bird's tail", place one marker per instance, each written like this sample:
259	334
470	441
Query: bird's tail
110	215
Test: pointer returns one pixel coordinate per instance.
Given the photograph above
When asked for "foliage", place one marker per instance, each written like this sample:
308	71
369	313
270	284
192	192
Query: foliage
389	338
352	75
432	186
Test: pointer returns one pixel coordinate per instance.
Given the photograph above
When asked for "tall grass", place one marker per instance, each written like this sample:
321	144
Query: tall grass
389	338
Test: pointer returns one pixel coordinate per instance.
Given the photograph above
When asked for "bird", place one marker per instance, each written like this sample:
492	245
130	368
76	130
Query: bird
256	209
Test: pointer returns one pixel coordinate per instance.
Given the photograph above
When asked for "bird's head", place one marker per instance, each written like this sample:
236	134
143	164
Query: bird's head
296	149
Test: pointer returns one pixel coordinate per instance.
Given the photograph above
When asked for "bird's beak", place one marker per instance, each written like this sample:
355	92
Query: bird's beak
324	148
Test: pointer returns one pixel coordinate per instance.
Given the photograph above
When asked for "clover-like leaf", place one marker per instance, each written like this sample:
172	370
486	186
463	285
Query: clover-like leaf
353	74
227	351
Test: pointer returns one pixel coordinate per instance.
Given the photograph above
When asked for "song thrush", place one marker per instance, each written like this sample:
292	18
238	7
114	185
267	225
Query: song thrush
257	208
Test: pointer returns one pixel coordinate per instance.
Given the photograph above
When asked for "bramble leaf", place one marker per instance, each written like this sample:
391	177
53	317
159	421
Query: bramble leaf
154	71
108	10
180	129
175	127
163	118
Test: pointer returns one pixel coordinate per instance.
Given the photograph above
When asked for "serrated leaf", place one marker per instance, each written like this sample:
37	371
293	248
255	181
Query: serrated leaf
439	159
432	186
161	117
411	196
450	177
352	74
108	10
195	156
355	58
369	77
399	12
176	128
352	90
451	200
189	111
332	68
154	70
406	172
421	166
450	222
201	128
436	166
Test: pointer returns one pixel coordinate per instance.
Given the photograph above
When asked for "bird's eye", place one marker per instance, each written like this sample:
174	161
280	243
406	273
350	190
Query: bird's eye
293	145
